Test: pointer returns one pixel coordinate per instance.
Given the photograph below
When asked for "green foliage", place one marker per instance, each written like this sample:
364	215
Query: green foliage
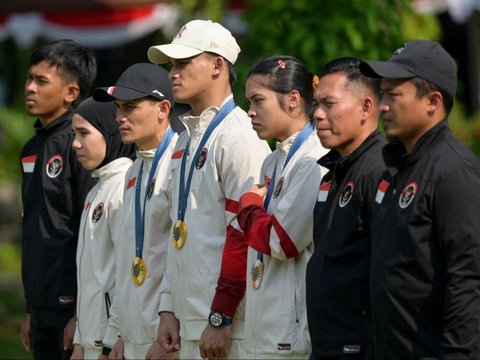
15	129
318	31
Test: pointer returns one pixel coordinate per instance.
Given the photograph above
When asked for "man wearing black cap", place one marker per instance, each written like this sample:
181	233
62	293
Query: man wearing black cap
425	270
144	98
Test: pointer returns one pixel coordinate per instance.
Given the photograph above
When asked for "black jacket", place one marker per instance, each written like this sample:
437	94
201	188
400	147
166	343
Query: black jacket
53	191
425	275
337	273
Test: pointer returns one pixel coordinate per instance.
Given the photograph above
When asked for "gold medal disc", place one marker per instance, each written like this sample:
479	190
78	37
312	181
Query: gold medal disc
139	271
179	234
257	274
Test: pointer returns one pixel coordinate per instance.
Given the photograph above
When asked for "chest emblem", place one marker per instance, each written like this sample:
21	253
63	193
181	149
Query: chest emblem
278	188
407	195
346	194
201	159
54	166
97	212
151	187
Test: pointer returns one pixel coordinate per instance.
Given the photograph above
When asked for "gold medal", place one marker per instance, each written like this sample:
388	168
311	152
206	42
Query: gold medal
179	234
257	274
139	271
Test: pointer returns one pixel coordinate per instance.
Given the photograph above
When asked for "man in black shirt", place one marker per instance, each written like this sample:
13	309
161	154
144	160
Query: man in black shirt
425	268
346	117
54	186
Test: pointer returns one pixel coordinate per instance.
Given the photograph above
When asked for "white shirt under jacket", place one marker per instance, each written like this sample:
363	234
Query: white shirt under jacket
99	225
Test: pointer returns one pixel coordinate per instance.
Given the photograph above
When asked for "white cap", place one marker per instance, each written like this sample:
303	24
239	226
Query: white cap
196	37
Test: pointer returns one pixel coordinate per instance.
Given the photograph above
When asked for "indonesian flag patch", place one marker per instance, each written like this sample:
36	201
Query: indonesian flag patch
323	191
382	189
28	163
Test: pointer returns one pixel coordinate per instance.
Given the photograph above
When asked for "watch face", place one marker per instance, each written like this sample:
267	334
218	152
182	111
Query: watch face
215	319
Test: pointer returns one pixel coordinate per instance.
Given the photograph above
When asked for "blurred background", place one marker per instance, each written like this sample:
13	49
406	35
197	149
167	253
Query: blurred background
120	32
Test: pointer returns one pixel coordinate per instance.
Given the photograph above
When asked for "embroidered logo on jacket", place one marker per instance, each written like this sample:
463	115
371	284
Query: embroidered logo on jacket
201	159
284	346
346	194
54	166
278	188
151	187
407	195
351	349
97	212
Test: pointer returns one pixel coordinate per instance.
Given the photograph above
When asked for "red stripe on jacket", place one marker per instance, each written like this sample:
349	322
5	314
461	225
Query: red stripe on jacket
257	225
231	283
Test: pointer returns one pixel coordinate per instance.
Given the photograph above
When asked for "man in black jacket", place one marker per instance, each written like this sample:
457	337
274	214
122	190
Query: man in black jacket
425	269
346	117
53	190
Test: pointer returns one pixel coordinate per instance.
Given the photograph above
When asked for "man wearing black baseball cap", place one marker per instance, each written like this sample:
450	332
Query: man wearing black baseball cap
425	268
144	98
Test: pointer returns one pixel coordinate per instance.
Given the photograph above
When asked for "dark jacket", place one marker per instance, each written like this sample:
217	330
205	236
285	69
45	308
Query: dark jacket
53	191
425	274
337	273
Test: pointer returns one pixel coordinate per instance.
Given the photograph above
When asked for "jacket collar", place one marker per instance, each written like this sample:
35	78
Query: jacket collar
395	154
54	125
333	160
196	125
112	168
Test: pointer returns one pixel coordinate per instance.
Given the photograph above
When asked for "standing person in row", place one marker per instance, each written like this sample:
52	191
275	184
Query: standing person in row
425	271
216	160
99	148
276	216
346	117
143	97
54	187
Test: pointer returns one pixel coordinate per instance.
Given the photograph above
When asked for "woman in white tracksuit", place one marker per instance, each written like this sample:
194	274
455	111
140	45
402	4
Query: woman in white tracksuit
99	148
276	216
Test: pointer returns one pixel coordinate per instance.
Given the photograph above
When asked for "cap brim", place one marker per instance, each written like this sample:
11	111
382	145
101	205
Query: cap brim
385	69
104	94
162	54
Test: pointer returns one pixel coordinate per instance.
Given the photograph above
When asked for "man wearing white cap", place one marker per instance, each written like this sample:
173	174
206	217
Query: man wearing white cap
216	160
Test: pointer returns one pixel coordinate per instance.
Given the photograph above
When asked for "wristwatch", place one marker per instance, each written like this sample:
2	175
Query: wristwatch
217	319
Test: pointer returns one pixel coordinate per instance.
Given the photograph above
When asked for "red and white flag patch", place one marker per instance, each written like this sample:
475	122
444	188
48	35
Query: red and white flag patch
323	191
382	189
28	163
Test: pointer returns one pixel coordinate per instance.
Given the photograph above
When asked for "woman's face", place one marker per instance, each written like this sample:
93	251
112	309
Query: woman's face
269	117
89	143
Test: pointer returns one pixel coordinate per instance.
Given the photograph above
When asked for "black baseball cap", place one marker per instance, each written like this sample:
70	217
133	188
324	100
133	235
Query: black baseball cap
138	81
423	58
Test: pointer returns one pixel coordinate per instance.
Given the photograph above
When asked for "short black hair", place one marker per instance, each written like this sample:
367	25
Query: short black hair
75	61
351	67
424	87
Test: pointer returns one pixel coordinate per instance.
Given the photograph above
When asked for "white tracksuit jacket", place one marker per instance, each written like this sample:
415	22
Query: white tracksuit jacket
234	155
134	312
276	319
99	225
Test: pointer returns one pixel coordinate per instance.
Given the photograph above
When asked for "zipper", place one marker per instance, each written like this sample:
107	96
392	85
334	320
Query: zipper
108	303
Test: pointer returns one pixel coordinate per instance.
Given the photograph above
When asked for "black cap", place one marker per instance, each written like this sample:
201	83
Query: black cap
423	58
138	81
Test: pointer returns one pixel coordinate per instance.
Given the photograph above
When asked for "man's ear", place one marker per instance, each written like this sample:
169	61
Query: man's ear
434	101
164	109
219	64
73	92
